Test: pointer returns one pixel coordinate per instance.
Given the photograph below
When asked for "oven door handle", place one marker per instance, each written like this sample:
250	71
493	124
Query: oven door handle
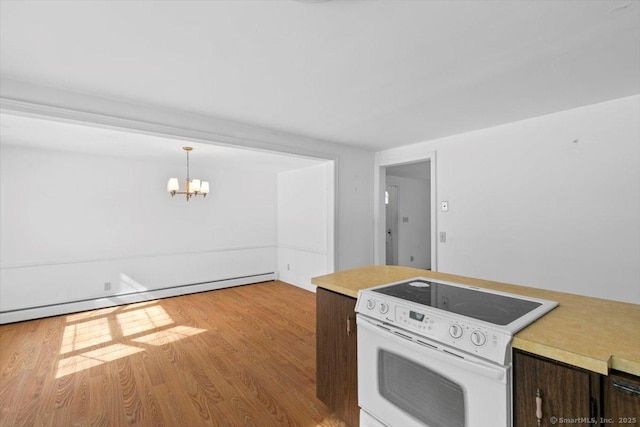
403	338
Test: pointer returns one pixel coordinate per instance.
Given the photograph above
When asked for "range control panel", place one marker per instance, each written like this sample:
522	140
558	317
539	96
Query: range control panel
456	331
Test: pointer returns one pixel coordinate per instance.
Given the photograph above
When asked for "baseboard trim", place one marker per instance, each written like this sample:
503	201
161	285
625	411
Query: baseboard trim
30	313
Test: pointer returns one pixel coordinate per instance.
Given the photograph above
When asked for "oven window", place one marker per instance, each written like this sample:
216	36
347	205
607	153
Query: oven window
420	392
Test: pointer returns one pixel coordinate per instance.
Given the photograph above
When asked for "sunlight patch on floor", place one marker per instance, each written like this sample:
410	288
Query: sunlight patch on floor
85	334
85	331
168	335
89	359
143	319
90	314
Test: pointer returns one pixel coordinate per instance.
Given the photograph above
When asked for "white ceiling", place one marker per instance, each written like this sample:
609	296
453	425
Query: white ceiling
373	74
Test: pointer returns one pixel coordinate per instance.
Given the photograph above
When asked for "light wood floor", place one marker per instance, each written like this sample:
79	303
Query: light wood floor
242	356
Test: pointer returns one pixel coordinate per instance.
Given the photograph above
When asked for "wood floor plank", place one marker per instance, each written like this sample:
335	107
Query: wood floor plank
242	356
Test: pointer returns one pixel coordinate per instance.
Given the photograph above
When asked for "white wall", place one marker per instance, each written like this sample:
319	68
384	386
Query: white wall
414	235
70	222
353	167
304	232
528	205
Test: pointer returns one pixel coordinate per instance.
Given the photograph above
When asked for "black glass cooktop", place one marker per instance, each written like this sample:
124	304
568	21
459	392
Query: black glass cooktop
492	308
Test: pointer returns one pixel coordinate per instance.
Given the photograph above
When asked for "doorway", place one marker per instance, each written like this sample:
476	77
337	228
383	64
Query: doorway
407	214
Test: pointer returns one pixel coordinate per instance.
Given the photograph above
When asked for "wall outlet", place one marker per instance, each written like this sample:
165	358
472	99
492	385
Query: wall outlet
411	258
445	206
443	236
107	286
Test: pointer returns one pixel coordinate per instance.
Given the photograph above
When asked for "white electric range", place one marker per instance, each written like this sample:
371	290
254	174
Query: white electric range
438	354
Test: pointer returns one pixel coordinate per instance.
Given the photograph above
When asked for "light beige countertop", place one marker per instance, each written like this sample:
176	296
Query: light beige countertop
590	333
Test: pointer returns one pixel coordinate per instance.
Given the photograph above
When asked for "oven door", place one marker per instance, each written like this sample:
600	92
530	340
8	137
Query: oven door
403	382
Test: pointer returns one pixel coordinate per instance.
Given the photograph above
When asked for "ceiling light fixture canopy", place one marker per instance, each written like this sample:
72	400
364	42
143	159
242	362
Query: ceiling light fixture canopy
193	187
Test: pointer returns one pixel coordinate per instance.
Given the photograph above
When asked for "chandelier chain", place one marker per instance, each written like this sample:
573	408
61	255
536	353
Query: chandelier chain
187	165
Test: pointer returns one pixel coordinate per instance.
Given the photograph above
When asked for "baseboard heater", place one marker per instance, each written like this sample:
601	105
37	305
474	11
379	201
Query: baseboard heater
37	312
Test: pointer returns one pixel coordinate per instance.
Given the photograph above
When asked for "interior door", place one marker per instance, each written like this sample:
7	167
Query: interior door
391	206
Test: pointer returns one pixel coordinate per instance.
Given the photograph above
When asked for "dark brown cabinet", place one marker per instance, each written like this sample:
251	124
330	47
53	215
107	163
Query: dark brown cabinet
622	399
336	354
558	394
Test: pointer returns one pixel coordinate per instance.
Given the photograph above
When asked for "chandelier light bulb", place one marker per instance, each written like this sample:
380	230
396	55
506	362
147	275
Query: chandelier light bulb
204	188
173	185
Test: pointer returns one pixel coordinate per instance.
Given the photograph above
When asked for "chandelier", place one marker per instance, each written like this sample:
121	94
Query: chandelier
193	187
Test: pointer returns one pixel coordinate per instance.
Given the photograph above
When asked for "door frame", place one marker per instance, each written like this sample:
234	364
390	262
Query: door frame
382	161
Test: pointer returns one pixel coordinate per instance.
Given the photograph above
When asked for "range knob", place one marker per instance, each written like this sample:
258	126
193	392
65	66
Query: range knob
455	330
478	338
371	303
384	307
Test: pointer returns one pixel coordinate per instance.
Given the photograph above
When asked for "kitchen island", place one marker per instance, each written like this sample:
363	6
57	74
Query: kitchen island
589	333
595	339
